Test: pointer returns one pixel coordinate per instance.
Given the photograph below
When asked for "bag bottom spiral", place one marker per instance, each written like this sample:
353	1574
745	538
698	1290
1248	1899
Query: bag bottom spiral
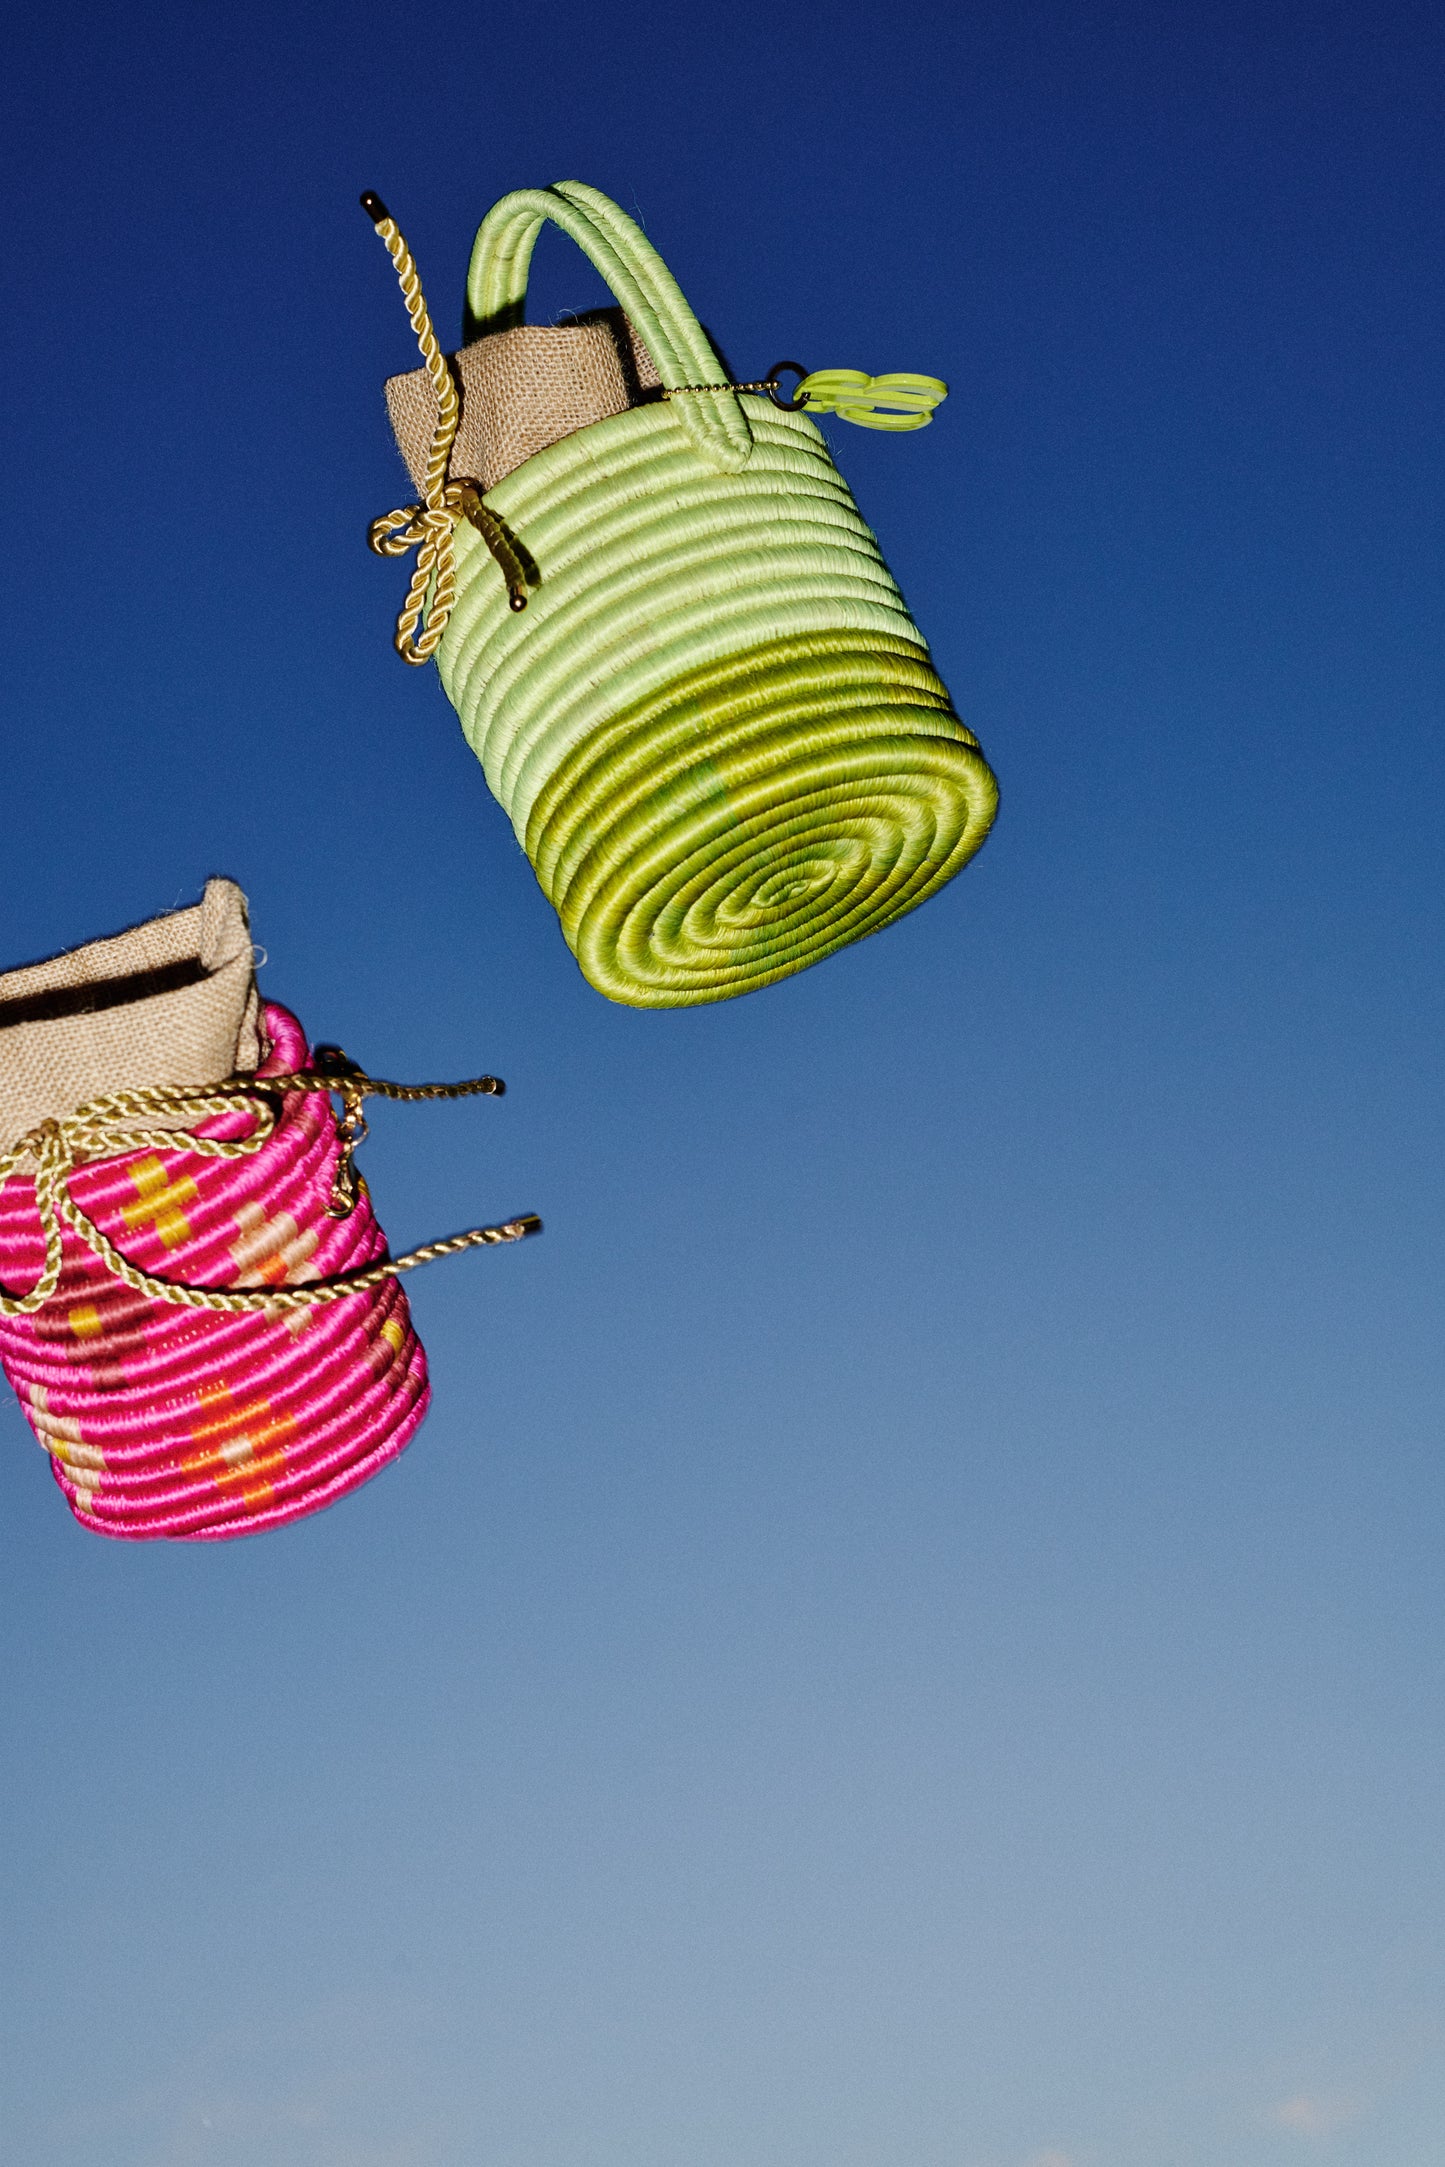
756	815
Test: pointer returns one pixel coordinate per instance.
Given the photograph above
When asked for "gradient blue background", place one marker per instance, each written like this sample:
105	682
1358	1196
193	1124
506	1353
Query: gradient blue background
912	1635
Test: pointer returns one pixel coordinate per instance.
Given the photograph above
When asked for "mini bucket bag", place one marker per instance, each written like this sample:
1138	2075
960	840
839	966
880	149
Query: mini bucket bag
671	639
197	1310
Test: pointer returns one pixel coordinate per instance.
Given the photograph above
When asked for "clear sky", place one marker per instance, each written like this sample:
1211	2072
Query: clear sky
912	1635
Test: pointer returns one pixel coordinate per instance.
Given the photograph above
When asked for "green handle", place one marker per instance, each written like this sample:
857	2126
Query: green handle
640	280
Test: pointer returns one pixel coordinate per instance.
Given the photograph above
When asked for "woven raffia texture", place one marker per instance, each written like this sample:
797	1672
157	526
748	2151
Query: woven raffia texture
522	390
162	1421
715	727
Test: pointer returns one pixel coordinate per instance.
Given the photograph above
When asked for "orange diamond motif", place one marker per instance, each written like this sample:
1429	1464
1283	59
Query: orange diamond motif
242	1444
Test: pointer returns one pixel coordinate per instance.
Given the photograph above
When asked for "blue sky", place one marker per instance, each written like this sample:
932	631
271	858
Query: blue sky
912	1635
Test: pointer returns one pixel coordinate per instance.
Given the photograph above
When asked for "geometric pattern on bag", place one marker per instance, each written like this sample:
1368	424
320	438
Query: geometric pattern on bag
198	1310
167	1421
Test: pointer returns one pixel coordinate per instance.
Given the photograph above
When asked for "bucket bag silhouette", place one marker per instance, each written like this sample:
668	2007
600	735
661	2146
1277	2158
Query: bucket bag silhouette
672	641
197	1310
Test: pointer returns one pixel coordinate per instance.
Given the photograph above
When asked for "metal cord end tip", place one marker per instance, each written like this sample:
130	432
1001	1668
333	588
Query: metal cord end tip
528	1224
373	206
517	599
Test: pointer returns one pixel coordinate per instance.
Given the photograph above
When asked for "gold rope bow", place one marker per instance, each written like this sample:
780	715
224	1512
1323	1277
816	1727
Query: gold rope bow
430	527
102	1130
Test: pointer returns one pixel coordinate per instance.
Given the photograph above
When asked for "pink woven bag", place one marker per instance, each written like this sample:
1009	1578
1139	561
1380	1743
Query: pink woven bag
166	1417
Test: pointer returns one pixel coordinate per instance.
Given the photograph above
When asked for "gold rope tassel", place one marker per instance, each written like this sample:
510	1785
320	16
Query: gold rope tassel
103	1130
429	527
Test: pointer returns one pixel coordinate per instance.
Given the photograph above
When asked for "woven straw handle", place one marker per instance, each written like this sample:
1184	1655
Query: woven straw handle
641	282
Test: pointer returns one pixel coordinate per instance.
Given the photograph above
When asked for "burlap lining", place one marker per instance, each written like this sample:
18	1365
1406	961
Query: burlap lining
522	390
194	1033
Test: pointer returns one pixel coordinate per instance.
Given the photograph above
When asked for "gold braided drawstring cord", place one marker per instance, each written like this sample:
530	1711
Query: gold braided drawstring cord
102	1129
429	527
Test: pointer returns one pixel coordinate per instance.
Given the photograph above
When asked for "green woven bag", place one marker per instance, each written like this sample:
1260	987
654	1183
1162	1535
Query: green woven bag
678	654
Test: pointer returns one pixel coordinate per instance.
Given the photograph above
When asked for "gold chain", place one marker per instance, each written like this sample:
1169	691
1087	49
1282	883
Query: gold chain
430	527
102	1129
675	391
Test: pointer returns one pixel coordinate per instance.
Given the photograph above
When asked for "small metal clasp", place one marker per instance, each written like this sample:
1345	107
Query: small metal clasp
779	368
351	1129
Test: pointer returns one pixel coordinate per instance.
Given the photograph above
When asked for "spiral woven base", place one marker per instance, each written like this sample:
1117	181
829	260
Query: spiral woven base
162	1421
757	815
716	730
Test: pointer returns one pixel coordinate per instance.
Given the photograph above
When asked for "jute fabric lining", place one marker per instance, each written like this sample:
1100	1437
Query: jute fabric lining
191	1034
522	390
716	728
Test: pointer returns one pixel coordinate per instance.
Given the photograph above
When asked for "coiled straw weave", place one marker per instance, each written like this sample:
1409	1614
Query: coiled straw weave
715	727
170	1420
